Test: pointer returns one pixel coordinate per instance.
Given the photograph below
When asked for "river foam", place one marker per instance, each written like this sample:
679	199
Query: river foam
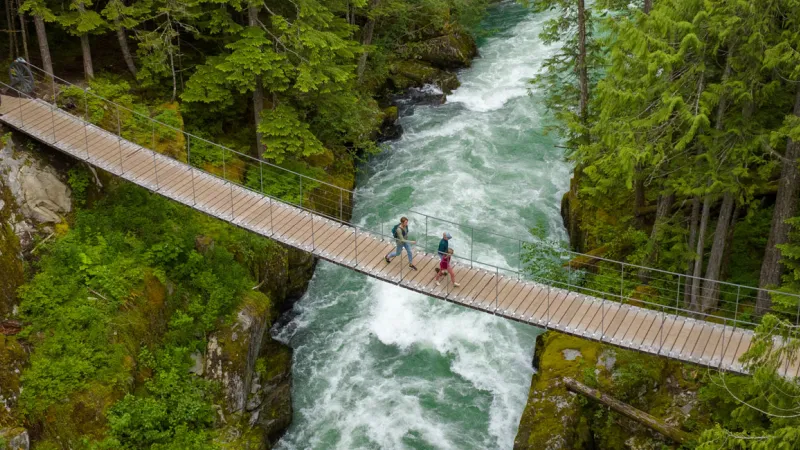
379	367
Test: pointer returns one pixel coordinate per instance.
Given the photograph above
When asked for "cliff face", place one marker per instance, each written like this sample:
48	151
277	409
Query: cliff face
252	370
555	418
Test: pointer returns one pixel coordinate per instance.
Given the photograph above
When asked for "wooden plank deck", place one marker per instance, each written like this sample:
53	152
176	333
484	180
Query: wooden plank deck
650	331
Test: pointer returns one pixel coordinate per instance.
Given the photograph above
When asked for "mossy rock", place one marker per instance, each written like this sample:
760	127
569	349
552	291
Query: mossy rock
552	417
12	360
412	73
450	51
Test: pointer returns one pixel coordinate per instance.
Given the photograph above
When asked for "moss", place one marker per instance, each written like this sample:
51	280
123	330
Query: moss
12	359
410	73
10	264
552	416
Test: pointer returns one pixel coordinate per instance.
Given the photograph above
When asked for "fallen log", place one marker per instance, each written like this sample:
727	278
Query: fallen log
628	411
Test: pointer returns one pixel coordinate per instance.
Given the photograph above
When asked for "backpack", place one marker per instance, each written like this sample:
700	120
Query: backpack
394	230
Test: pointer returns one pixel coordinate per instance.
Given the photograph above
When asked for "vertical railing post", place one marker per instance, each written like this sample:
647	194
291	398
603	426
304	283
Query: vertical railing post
736	307
261	174
341	205
471	244
224	168
547	322
496	288
119	142
233	214
86	123
621	281
21	111
519	261
52	108
191	169
355	244
301	190
271	224
425	242
153	148
155	168
678	295
569	272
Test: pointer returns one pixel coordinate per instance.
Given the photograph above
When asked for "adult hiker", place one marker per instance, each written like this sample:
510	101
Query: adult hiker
443	245
445	265
400	233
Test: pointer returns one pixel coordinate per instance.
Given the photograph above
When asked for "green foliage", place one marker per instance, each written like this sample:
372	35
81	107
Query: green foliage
174	414
85	332
79	181
285	134
547	261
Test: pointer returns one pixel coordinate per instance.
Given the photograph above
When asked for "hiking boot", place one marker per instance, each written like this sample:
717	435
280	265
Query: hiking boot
456	285
438	283
413	267
386	258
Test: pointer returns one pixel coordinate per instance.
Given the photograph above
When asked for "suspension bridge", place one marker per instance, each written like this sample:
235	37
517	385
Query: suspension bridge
610	301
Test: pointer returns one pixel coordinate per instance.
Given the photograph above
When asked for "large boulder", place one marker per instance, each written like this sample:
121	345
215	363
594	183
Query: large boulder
450	51
406	74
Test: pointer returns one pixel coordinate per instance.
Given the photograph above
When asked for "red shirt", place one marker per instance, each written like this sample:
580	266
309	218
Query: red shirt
444	264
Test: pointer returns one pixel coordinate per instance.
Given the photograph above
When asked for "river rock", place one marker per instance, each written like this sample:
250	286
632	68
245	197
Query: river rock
408	74
450	51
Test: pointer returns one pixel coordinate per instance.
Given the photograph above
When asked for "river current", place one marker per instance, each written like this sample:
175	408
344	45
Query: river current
379	367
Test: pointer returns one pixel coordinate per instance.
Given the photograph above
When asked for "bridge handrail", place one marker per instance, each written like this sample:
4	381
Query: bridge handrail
88	90
520	272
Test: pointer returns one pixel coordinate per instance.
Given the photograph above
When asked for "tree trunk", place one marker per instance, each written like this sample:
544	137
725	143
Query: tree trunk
638	195
710	295
662	214
699	251
369	28
693	225
88	70
123	45
583	75
724	272
24	28
785	208
258	92
628	411
648	6
44	49
12	33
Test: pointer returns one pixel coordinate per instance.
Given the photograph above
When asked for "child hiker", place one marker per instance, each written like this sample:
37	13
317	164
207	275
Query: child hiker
445	265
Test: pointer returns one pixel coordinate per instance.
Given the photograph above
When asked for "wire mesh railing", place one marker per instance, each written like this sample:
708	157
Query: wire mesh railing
509	258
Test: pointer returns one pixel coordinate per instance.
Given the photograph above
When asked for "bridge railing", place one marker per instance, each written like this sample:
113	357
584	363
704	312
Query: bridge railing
540	261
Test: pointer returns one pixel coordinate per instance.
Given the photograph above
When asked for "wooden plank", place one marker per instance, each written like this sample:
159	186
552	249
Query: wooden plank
570	306
655	335
619	324
616	322
644	319
572	322
510	295
527	289
525	301
669	335
697	348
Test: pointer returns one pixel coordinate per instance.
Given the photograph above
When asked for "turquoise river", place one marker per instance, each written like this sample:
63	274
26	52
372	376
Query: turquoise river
379	367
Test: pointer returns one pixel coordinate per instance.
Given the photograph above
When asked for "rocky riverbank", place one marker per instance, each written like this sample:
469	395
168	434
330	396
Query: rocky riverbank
555	418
